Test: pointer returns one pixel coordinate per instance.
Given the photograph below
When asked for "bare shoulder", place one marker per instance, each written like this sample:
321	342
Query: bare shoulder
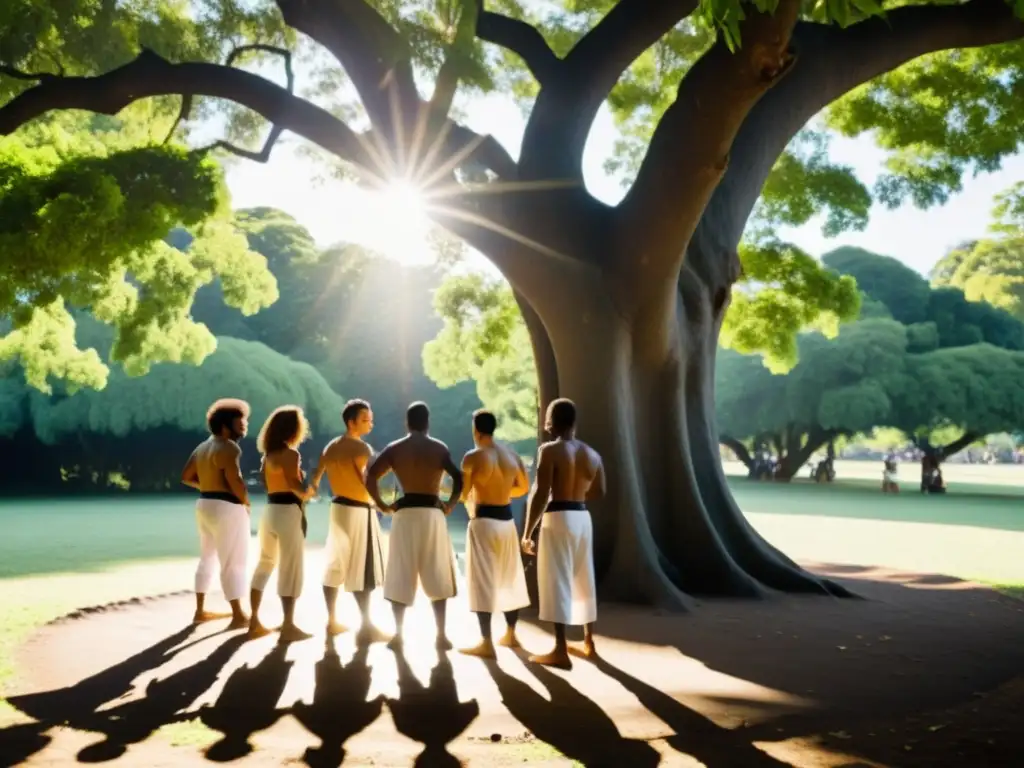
227	450
438	444
549	449
592	453
471	456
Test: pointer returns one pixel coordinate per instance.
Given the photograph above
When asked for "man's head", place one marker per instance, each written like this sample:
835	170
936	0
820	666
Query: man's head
358	417
229	418
484	424
561	418
417	417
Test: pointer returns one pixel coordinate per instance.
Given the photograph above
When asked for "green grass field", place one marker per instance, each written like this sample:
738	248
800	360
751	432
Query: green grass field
58	555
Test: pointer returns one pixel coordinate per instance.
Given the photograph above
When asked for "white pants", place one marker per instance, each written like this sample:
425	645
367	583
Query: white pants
495	578
566	587
224	537
282	546
355	558
419	553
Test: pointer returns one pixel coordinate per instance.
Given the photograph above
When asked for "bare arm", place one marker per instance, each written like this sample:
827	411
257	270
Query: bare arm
379	467
190	474
231	466
457	484
522	484
467	477
321	467
539	495
291	465
599	487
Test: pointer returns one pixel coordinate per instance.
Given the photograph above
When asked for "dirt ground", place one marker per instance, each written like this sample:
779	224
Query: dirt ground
926	671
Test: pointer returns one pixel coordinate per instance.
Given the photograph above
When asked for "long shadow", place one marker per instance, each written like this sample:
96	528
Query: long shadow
431	715
695	735
340	709
247	704
135	721
570	722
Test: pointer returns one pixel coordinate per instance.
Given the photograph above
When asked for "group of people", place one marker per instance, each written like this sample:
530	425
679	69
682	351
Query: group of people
420	553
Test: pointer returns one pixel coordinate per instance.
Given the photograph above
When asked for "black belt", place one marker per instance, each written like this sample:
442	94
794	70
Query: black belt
287	497
566	506
494	511
345	501
227	496
418	500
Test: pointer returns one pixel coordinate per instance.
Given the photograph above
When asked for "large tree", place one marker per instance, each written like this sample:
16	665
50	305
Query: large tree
624	304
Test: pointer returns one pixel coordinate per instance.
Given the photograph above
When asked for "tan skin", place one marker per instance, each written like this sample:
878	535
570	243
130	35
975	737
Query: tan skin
419	462
567	470
344	461
282	472
493	475
215	465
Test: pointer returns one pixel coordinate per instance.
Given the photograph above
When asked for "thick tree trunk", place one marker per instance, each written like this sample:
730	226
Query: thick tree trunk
644	388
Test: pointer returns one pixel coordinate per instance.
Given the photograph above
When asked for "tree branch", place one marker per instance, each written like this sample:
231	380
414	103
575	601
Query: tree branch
151	75
566	107
375	57
689	152
739	449
833	61
447	80
523	39
956	446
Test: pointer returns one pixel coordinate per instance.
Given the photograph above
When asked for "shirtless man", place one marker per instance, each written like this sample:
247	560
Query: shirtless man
493	474
569	473
419	547
354	556
222	512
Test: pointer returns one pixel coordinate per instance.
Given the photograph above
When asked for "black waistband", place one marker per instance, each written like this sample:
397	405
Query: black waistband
418	500
227	496
566	506
345	501
494	511
284	497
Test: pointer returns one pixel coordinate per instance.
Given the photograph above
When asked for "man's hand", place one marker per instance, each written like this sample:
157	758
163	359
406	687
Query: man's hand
529	548
446	507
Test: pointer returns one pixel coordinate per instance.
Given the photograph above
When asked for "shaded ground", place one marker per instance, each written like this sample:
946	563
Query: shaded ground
920	674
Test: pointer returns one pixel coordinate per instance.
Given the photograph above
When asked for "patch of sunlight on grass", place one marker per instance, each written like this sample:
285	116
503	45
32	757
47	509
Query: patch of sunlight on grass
190	733
1012	590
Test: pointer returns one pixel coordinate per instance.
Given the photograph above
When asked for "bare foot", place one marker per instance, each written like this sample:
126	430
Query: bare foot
443	643
586	651
559	659
334	628
292	634
485	650
395	643
509	640
369	634
257	630
199	617
240	621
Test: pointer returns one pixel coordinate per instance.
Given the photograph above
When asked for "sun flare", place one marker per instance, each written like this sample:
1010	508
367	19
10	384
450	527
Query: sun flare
397	216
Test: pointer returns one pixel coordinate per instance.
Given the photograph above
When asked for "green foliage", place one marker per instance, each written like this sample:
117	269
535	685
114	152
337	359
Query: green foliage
784	291
178	395
484	339
885	279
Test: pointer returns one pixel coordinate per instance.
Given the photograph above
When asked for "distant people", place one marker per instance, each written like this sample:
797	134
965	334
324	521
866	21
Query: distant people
355	558
889	470
419	546
493	474
569	472
283	525
222	511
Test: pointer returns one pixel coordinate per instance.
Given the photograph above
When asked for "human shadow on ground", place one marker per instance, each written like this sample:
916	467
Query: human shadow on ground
340	709
570	722
695	735
246	705
164	702
431	715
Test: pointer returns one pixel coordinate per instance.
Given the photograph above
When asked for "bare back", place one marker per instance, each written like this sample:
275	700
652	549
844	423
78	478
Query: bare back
215	457
344	461
575	466
282	471
493	473
419	462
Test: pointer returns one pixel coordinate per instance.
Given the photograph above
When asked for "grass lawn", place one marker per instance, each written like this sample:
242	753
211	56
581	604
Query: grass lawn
56	556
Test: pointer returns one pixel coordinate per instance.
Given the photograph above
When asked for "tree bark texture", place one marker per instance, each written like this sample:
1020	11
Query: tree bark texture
624	305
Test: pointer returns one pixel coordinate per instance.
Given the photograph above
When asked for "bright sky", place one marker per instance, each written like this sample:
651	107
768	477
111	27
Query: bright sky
336	211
